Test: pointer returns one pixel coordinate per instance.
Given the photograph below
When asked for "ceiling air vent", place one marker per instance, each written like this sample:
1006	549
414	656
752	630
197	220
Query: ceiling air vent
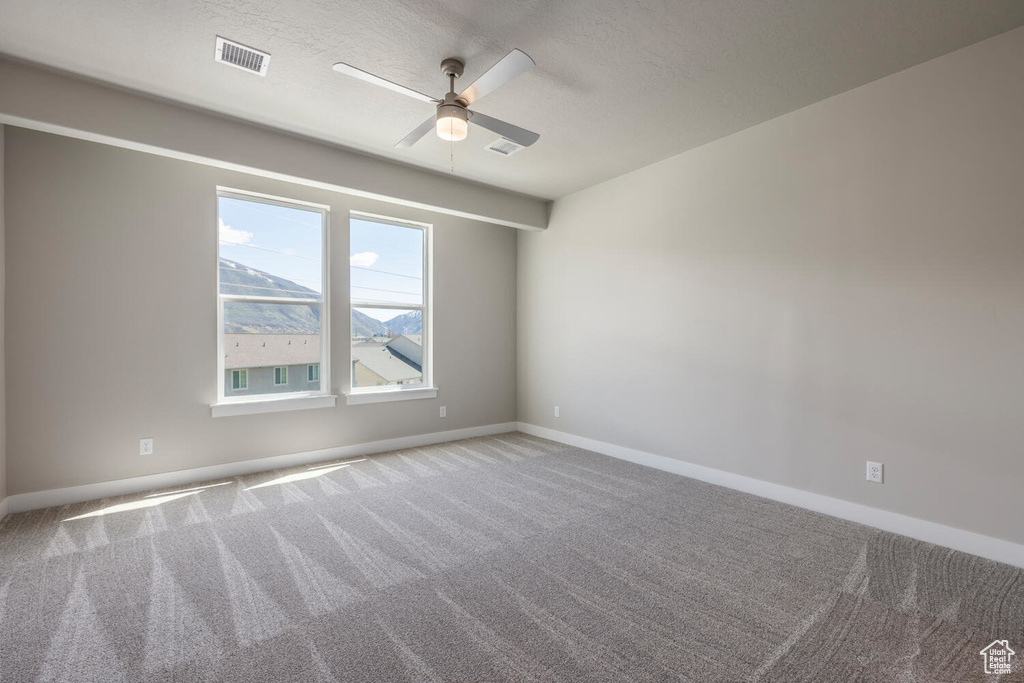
504	147
242	57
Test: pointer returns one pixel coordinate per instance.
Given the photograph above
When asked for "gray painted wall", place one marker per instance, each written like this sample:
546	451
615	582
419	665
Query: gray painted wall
840	284
117	251
3	363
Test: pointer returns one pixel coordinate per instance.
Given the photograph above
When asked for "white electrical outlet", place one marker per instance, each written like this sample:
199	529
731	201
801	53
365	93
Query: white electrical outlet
145	446
444	411
556	411
875	472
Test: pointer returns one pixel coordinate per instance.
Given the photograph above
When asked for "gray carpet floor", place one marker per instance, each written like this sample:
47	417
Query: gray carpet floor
506	558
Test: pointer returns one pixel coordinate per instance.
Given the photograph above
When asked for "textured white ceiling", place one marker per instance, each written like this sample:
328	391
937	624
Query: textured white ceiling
619	84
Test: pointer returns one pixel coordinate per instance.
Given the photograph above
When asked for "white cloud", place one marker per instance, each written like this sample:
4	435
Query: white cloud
229	235
363	259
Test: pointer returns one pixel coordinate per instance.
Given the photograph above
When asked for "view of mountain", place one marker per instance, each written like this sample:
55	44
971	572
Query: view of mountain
237	278
407	323
365	326
239	318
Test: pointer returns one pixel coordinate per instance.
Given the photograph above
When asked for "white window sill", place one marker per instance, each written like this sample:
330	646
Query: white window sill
269	404
358	398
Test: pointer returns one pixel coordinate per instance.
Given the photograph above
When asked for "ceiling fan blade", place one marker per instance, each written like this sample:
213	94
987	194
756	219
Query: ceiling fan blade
506	130
349	70
511	65
421	130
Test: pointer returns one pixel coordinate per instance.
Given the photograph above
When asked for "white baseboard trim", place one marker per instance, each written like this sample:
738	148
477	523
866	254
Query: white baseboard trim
23	502
3	508
939	534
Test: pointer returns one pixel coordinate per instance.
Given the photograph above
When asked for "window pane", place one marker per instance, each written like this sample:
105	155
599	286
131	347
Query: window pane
275	252
263	337
268	250
387	347
386	262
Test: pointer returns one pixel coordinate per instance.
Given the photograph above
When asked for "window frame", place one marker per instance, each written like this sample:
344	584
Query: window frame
313	368
305	398
280	371
425	388
242	386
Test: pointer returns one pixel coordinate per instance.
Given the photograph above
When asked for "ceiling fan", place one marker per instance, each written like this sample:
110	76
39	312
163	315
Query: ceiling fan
453	112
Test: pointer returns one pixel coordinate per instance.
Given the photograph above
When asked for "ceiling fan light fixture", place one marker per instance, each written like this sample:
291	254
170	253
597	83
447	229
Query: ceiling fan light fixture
452	123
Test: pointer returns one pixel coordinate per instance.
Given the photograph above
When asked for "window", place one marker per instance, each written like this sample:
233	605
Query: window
313	373
390	296
272	303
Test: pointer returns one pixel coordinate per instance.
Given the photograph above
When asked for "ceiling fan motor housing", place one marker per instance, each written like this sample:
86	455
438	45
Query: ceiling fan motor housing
452	106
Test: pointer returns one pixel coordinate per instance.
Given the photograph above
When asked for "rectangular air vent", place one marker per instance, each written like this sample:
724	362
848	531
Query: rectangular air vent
242	57
504	147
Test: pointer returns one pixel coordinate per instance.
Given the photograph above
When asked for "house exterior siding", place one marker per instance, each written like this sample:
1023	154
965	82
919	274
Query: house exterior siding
261	381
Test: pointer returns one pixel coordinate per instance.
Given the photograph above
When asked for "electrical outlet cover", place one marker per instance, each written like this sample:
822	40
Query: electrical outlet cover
874	472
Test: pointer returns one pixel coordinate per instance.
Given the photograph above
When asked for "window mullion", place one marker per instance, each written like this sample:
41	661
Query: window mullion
356	303
289	301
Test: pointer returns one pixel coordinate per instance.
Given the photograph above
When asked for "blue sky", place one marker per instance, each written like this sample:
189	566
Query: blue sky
279	240
386	260
386	265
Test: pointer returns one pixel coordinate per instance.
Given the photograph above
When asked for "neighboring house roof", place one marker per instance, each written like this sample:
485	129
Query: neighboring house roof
410	346
378	359
267	350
